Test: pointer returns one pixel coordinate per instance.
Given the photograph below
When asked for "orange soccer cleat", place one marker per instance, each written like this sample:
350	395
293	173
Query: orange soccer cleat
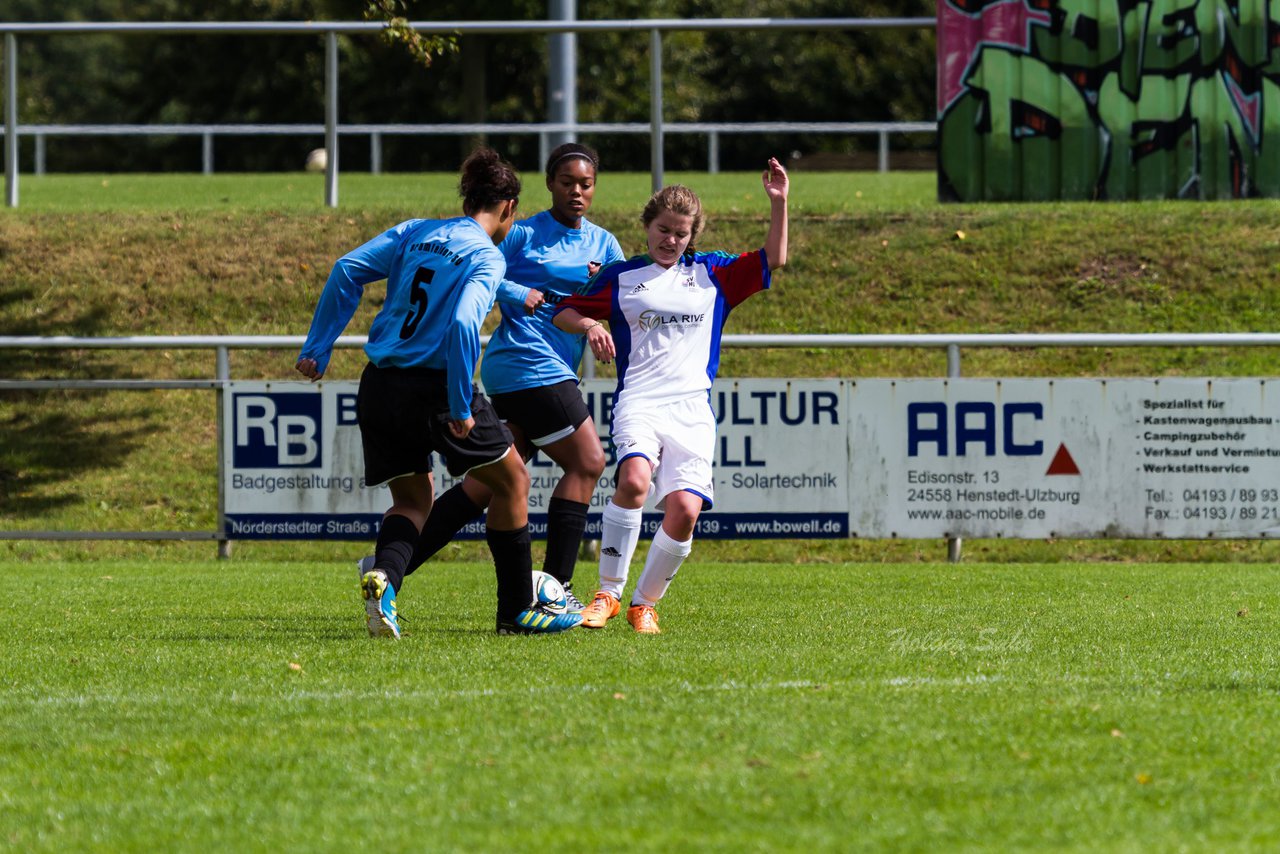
643	619
602	609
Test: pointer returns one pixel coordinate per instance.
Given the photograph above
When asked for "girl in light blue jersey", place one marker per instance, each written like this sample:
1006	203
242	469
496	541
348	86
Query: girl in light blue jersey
417	397
530	368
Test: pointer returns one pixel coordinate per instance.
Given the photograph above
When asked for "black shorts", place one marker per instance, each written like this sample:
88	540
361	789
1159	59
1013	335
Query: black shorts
545	414
404	417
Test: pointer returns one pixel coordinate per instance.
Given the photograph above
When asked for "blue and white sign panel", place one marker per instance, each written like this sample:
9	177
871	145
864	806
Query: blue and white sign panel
1032	458
294	465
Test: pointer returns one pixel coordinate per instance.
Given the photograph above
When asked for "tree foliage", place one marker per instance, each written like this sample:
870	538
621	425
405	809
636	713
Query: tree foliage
406	77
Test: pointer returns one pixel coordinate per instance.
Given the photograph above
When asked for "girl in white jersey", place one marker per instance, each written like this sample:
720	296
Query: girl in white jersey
666	311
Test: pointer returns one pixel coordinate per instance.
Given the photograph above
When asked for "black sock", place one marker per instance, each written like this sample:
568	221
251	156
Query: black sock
566	520
395	548
449	514
513	565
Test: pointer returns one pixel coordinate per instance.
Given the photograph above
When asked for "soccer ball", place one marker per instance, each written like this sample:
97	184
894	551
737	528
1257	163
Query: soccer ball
548	592
317	160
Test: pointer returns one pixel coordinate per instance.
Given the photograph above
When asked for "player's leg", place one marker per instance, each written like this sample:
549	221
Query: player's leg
619	535
507	533
636	441
671	545
459	506
557	422
401	524
582	459
488	456
411	503
390	403
684	482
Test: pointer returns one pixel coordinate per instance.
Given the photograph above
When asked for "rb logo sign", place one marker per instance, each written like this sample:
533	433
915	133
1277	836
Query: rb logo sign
276	430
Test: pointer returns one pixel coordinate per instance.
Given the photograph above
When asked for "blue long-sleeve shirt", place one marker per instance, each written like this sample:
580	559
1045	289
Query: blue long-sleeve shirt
442	279
529	351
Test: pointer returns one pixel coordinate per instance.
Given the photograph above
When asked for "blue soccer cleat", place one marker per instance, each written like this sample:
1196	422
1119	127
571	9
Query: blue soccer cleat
538	620
380	605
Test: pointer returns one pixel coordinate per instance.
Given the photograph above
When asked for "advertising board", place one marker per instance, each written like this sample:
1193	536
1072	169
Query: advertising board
294	466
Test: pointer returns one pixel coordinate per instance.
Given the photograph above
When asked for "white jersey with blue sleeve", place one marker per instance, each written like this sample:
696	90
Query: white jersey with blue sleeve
666	322
442	278
529	351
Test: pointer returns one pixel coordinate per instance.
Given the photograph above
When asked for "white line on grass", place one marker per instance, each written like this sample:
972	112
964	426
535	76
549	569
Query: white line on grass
346	694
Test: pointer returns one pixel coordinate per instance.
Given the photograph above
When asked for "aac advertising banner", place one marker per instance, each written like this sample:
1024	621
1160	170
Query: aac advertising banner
1083	458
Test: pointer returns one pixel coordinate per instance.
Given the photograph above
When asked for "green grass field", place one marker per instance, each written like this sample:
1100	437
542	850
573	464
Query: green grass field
623	192
239	707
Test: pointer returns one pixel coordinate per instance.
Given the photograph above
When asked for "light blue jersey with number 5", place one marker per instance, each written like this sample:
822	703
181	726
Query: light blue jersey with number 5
442	278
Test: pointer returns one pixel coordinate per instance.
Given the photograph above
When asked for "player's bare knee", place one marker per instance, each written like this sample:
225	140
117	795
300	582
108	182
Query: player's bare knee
679	523
518	477
591	465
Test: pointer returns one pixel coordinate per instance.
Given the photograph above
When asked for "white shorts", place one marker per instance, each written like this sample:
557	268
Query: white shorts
678	438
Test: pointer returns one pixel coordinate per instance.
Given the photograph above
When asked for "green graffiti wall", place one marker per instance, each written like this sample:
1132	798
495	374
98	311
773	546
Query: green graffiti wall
1089	99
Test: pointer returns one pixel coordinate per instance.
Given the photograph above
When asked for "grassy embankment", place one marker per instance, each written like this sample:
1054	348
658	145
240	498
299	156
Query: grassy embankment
134	255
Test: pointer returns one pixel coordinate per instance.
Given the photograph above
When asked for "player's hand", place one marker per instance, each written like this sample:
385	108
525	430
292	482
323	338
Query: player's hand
593	267
533	301
461	429
601	343
307	367
776	183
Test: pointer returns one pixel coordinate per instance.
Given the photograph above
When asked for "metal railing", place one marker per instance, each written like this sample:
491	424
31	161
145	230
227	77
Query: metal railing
544	130
223	345
656	127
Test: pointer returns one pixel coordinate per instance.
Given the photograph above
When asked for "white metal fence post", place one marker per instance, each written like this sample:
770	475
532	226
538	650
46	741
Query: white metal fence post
655	109
11	120
222	373
954	544
562	75
206	153
331	119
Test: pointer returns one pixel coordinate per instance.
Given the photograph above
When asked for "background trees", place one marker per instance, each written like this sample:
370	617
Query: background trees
721	76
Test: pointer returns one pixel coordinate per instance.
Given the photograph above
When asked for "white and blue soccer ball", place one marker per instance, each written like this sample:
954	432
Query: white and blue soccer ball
548	592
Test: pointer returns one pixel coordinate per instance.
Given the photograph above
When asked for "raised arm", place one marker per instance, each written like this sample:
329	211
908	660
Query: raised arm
776	187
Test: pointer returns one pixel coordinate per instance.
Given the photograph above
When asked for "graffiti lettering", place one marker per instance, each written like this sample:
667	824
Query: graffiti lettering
1108	99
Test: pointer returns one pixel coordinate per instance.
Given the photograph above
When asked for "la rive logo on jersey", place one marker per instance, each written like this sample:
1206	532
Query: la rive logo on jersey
651	319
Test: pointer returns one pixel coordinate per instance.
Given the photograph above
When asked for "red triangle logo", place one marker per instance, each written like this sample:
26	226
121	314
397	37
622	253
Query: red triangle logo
1063	463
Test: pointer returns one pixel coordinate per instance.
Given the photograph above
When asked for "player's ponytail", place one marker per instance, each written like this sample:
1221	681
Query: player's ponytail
678	199
487	180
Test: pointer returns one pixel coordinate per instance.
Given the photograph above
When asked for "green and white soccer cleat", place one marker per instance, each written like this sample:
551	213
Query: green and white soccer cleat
380	605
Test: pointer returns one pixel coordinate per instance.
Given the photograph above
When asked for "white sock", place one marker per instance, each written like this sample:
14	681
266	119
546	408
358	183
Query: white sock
665	556
618	538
